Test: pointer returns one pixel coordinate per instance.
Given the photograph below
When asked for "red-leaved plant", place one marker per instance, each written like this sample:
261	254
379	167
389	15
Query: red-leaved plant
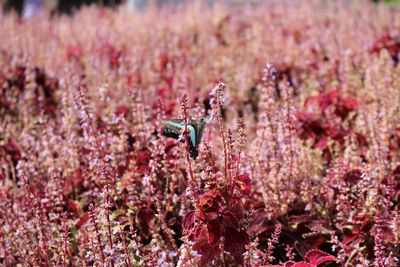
299	160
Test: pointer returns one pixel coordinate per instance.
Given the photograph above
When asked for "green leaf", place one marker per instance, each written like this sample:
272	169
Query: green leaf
116	213
73	233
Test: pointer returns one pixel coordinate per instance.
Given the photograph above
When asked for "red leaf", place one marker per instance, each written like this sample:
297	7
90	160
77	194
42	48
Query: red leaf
244	183
73	206
390	43
332	131
322	143
84	218
12	148
214	231
350	103
169	145
344	107
73	181
134	79
142	162
31	189
310	125
143	157
146	219
301	264
191	229
235	242
114	57
229	220
211	215
207	199
199	233
164	60
73	52
208	252
328	99
3	192
316	256
121	110
380	43
353	176
311	102
142	169
396	170
362	139
188	220
164	91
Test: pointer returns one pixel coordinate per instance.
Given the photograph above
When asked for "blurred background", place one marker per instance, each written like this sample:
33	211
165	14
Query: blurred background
27	8
68	6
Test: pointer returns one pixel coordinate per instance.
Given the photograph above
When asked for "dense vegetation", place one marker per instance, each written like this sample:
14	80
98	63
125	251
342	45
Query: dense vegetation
299	164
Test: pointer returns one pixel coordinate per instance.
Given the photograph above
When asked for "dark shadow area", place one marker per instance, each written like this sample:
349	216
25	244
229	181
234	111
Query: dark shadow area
13	5
63	6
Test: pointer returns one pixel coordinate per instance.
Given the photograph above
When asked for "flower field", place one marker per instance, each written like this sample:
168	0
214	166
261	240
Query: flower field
202	135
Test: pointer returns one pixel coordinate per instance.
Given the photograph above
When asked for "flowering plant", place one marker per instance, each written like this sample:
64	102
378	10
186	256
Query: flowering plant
298	163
